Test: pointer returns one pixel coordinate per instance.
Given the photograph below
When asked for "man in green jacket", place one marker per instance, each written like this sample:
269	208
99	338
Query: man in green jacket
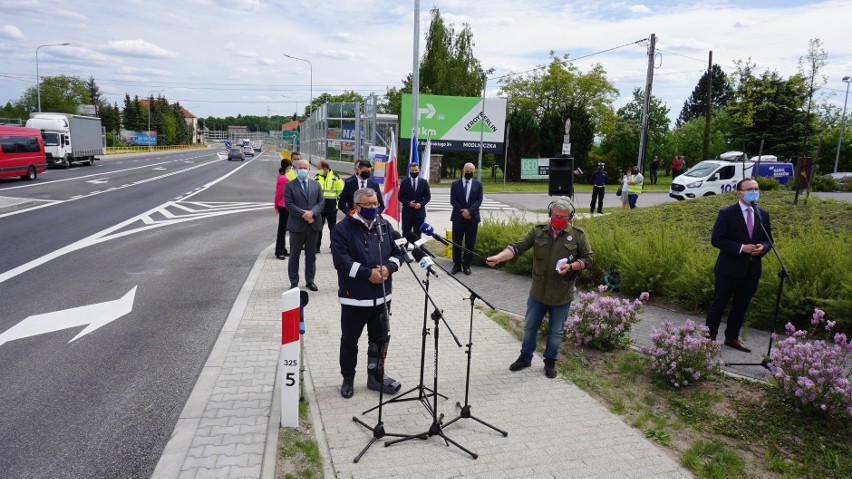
332	186
560	249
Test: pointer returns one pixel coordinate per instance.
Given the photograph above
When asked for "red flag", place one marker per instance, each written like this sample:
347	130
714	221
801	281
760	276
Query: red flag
391	190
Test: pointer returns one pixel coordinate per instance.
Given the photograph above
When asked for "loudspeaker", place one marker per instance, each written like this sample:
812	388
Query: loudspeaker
561	176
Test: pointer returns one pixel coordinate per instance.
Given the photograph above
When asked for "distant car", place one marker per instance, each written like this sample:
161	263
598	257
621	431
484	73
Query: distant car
841	176
236	153
248	150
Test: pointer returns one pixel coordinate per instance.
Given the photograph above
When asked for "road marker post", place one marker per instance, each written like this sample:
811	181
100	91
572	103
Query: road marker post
289	362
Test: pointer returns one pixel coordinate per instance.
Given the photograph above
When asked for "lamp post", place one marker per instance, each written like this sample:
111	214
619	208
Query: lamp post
311	109
847	80
38	78
482	122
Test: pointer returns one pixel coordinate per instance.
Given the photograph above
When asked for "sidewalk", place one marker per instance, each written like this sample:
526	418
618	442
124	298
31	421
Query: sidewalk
229	426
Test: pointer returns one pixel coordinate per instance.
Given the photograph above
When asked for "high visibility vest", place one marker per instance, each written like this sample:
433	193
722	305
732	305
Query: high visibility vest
637	188
291	175
331	184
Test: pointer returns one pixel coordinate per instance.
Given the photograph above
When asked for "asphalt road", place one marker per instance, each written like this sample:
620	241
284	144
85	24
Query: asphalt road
175	235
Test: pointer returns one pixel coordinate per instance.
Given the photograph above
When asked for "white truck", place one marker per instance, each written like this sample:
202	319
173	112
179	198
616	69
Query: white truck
69	138
714	177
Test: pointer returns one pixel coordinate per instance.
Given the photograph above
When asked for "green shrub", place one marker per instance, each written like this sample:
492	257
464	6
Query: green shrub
768	183
493	236
824	183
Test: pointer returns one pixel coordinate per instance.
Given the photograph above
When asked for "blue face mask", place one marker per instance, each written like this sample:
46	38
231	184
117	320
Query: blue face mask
368	214
750	197
302	174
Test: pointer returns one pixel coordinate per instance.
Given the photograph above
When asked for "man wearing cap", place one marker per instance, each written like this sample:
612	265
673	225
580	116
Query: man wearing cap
599	180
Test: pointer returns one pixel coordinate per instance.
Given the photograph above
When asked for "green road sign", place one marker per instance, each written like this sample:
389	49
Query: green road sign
456	122
290	135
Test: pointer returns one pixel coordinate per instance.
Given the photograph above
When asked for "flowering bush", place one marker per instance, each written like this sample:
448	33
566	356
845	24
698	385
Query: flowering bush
683	355
814	371
602	321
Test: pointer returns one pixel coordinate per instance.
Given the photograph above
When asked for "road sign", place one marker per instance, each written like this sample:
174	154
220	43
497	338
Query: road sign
455	123
227	144
566	148
290	135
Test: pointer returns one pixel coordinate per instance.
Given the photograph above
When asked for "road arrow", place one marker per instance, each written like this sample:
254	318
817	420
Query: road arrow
429	111
99	181
93	315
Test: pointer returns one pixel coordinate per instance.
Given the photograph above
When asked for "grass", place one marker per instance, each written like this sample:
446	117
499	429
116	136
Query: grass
721	427
490	185
298	451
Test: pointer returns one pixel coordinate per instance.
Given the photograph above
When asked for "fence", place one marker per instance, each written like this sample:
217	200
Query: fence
117	150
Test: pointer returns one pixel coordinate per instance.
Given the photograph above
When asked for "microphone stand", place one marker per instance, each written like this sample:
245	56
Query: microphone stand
379	429
782	275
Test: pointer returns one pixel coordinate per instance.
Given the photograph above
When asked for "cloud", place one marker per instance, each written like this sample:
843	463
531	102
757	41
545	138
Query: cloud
138	48
246	54
639	9
342	37
11	31
229	46
340	54
129	70
267	61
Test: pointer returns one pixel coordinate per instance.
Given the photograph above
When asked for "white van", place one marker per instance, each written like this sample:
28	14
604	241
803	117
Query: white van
713	177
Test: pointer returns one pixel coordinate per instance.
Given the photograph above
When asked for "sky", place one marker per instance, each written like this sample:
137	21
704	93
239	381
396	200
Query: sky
226	57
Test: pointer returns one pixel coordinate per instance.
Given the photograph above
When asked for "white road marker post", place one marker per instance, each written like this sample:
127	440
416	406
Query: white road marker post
290	358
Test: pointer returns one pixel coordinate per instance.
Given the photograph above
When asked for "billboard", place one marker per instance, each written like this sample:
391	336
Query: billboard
138	138
535	168
455	123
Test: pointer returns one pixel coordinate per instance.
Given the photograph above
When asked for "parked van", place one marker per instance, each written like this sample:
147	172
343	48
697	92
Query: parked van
21	152
721	175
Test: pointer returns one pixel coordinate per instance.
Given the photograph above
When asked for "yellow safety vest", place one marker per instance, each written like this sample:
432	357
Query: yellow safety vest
291	175
637	188
331	184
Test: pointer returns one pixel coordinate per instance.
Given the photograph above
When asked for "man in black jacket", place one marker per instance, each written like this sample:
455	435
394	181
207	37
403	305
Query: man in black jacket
364	256
599	180
465	198
414	194
361	179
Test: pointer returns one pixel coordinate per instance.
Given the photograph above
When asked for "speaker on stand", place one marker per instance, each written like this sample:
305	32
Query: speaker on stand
560	178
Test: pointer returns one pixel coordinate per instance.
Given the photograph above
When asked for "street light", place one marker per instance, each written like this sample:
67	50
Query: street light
482	122
311	109
38	78
845	80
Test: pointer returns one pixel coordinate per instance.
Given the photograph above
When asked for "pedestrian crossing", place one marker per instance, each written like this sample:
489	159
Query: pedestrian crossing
441	202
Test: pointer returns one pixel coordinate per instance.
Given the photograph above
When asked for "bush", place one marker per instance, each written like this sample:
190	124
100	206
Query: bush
813	373
493	236
768	183
824	183
602	321
683	355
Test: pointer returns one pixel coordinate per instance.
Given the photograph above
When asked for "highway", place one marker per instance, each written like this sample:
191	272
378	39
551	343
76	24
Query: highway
115	281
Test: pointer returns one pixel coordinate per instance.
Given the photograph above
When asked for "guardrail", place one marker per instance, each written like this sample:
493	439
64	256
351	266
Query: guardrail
117	150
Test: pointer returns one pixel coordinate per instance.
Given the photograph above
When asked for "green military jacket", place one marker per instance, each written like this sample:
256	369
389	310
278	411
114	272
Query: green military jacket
548	286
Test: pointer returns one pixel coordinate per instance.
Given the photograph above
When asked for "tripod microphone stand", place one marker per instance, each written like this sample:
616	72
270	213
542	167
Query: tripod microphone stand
782	275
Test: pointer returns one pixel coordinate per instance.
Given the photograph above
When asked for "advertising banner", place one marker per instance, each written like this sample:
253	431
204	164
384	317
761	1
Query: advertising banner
535	168
455	123
378	156
138	138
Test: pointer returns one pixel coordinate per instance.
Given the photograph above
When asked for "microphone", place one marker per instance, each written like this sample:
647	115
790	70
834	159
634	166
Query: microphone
756	211
420	254
417	243
398	241
428	230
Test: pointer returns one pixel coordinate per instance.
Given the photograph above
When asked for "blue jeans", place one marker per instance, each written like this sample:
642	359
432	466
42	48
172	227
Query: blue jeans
632	197
532	321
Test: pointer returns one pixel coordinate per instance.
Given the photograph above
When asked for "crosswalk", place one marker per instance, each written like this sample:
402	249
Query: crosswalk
441	202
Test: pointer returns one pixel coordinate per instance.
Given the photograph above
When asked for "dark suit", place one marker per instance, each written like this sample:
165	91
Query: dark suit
464	230
737	274
412	218
346	201
301	232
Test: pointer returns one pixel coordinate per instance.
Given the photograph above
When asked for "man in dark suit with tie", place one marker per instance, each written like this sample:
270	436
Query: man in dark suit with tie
741	242
361	179
465	198
414	193
304	200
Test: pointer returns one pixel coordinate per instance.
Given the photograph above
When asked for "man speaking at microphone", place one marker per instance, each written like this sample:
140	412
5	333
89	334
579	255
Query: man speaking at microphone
559	250
365	256
741	242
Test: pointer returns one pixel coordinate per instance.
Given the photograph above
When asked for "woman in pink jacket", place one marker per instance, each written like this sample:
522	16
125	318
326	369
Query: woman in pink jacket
280	208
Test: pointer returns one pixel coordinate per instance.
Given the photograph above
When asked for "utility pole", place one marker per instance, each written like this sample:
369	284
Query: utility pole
415	80
649	81
705	150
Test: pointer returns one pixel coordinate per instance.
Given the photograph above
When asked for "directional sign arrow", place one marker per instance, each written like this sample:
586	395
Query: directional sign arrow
429	111
99	181
93	315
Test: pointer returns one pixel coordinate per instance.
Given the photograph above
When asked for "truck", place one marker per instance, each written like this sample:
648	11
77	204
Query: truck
69	139
257	145
713	177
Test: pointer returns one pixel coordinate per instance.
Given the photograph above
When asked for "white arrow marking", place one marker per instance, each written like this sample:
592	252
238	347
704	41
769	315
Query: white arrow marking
429	111
99	181
159	168
93	315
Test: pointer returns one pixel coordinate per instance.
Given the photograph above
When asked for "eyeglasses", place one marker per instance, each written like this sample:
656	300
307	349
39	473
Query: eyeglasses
368	205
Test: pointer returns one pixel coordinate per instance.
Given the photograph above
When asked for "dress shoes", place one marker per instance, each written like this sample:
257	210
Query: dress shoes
456	269
281	256
346	389
312	286
738	345
467	270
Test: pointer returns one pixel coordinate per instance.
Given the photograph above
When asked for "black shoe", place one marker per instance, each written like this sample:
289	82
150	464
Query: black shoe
467	270
346	389
600	212
312	286
550	368
391	385
519	364
286	253
592	212
456	269
293	285
281	256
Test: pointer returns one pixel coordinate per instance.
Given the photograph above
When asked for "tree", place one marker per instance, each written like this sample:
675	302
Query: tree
696	105
60	94
133	118
809	68
95	95
622	144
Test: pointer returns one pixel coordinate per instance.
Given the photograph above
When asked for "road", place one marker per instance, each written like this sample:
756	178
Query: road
167	241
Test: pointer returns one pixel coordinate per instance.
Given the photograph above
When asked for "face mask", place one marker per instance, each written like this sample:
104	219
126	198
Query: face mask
558	223
414	175
468	175
750	197
302	174
368	214
365	174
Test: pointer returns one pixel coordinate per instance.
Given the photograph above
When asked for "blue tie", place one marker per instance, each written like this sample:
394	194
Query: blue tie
305	187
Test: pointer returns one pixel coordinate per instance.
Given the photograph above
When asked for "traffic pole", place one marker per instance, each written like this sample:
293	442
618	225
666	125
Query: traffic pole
289	361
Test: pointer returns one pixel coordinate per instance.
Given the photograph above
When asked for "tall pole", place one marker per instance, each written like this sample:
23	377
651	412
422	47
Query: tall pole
482	123
38	78
846	80
310	109
705	150
415	79
649	81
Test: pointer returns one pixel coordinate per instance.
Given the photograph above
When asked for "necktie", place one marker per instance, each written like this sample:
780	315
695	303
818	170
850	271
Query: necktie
466	190
749	223
414	184
305	187
362	183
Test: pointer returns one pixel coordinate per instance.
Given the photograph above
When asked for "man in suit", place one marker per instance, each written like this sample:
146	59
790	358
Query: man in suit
414	193
741	242
361	179
465	198
304	200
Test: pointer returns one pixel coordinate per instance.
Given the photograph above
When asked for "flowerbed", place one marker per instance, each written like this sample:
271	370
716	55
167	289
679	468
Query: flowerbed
602	321
683	355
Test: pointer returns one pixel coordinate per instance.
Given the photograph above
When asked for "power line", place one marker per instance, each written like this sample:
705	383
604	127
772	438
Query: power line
680	55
